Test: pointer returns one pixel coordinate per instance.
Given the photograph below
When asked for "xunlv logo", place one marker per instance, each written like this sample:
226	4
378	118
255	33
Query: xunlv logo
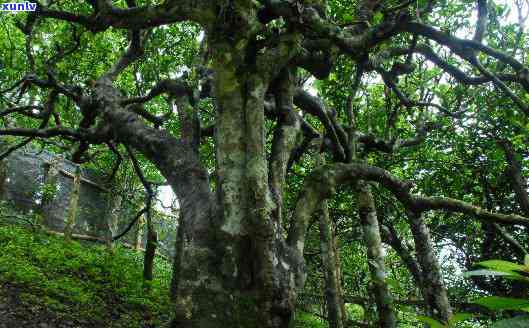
18	6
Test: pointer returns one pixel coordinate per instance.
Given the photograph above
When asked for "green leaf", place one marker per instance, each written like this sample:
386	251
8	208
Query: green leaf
518	322
378	17
504	266
459	317
502	303
347	17
431	322
485	273
393	283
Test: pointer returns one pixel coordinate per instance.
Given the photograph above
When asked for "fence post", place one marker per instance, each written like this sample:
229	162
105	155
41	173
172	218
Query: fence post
3	177
114	205
49	188
74	205
139	234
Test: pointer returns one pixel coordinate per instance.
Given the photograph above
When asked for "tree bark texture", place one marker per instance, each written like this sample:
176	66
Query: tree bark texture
328	258
244	274
433	287
375	255
339	280
150	248
177	260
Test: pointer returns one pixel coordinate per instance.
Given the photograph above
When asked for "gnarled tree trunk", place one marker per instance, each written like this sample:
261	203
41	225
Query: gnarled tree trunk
242	273
239	269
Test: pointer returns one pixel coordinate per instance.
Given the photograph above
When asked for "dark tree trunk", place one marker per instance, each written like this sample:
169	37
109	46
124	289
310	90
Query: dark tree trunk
242	273
150	250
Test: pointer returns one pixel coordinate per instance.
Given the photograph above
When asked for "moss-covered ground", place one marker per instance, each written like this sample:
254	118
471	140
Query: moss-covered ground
81	284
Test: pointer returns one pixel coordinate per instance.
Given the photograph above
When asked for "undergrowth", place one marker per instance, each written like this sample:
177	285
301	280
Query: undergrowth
83	282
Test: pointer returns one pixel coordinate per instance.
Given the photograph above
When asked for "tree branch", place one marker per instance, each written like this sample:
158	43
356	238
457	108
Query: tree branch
324	180
134	18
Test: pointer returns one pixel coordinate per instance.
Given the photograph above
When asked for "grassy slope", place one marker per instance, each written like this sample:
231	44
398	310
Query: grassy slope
83	284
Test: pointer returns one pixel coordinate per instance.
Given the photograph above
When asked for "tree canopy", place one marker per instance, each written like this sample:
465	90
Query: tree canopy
358	154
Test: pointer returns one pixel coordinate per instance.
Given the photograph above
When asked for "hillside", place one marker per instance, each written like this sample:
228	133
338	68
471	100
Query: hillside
48	283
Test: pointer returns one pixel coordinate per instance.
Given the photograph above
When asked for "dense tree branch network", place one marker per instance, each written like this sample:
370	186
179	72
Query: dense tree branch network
252	51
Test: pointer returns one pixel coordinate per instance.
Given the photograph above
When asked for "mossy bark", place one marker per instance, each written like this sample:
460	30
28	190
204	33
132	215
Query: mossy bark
285	136
328	258
242	271
433	287
339	279
177	260
375	255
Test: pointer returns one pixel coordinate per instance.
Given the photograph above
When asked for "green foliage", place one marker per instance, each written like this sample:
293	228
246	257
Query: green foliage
453	322
503	303
431	322
49	190
517	322
459	158
508	270
501	268
81	281
307	320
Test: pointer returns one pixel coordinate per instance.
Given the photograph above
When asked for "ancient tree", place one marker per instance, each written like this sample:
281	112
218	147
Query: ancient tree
241	245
